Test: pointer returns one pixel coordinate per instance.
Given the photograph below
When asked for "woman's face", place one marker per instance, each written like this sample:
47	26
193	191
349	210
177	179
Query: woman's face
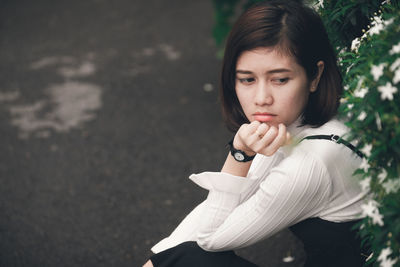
271	87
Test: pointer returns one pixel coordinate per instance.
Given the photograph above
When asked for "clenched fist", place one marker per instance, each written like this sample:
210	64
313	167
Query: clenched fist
258	137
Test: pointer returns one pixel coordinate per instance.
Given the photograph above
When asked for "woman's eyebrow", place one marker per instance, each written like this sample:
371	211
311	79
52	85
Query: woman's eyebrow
244	71
268	72
279	70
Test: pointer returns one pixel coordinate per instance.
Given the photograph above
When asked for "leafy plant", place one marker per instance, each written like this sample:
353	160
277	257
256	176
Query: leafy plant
366	35
371	106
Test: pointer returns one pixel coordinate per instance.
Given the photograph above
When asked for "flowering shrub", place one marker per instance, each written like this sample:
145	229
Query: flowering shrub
372	105
366	35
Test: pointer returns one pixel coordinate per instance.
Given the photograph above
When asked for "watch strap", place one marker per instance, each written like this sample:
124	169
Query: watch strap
239	155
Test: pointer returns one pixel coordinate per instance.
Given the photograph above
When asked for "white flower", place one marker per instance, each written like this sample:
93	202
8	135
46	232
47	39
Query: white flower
384	259
360	92
355	44
367	150
388	263
319	5
377	219
376	28
382	176
395	64
371	210
342	50
392	185
396	77
364	165
387	91
384	254
362	116
350	106
388	22
395	49
365	184
377	71
378	24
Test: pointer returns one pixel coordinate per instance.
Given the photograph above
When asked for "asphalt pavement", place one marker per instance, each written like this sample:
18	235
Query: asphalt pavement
106	107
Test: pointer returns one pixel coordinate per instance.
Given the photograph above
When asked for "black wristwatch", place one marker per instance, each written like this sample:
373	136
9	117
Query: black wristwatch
239	155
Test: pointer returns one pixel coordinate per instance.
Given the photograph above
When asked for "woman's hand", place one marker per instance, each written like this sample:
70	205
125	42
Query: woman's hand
258	137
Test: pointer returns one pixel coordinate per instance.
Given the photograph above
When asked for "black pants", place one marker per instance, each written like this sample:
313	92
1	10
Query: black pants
327	244
189	254
330	244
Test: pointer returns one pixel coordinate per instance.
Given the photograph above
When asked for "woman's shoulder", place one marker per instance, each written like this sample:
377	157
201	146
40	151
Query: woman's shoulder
334	126
325	149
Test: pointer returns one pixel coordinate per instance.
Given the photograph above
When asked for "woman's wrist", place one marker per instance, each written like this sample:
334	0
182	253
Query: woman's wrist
240	155
232	166
238	145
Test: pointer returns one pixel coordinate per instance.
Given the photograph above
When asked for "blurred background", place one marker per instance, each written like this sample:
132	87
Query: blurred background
106	108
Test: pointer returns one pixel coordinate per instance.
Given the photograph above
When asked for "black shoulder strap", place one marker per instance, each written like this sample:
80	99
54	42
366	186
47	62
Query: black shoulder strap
336	139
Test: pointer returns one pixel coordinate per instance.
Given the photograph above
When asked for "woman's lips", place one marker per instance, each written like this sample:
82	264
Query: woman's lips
264	117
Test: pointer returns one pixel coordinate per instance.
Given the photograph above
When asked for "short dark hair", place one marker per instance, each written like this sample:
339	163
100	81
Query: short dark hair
296	30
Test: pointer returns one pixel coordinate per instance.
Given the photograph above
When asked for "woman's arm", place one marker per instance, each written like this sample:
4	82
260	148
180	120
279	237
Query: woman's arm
187	230
295	189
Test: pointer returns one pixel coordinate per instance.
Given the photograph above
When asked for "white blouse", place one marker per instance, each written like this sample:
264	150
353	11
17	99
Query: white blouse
313	178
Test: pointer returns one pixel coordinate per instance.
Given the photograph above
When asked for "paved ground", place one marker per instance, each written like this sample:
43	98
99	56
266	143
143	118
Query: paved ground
105	108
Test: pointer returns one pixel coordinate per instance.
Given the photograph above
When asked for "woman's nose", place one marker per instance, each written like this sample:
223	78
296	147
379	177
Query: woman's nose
263	95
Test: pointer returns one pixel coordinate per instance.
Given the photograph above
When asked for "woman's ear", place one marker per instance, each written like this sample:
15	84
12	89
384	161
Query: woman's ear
314	83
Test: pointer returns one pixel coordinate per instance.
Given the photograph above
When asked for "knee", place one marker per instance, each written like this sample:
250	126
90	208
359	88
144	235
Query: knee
148	264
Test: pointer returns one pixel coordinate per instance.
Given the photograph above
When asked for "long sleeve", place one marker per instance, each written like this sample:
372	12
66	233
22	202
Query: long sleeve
295	189
187	230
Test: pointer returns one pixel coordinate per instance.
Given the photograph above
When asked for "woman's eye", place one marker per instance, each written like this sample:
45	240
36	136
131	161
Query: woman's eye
246	80
281	80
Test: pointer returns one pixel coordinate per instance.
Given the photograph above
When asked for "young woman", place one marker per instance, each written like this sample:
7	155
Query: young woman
287	167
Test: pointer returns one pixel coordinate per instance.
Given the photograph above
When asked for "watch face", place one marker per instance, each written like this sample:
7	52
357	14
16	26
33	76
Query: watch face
239	156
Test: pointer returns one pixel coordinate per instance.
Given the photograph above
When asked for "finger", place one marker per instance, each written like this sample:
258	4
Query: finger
241	138
262	130
266	140
253	126
277	142
257	136
269	135
248	134
259	133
